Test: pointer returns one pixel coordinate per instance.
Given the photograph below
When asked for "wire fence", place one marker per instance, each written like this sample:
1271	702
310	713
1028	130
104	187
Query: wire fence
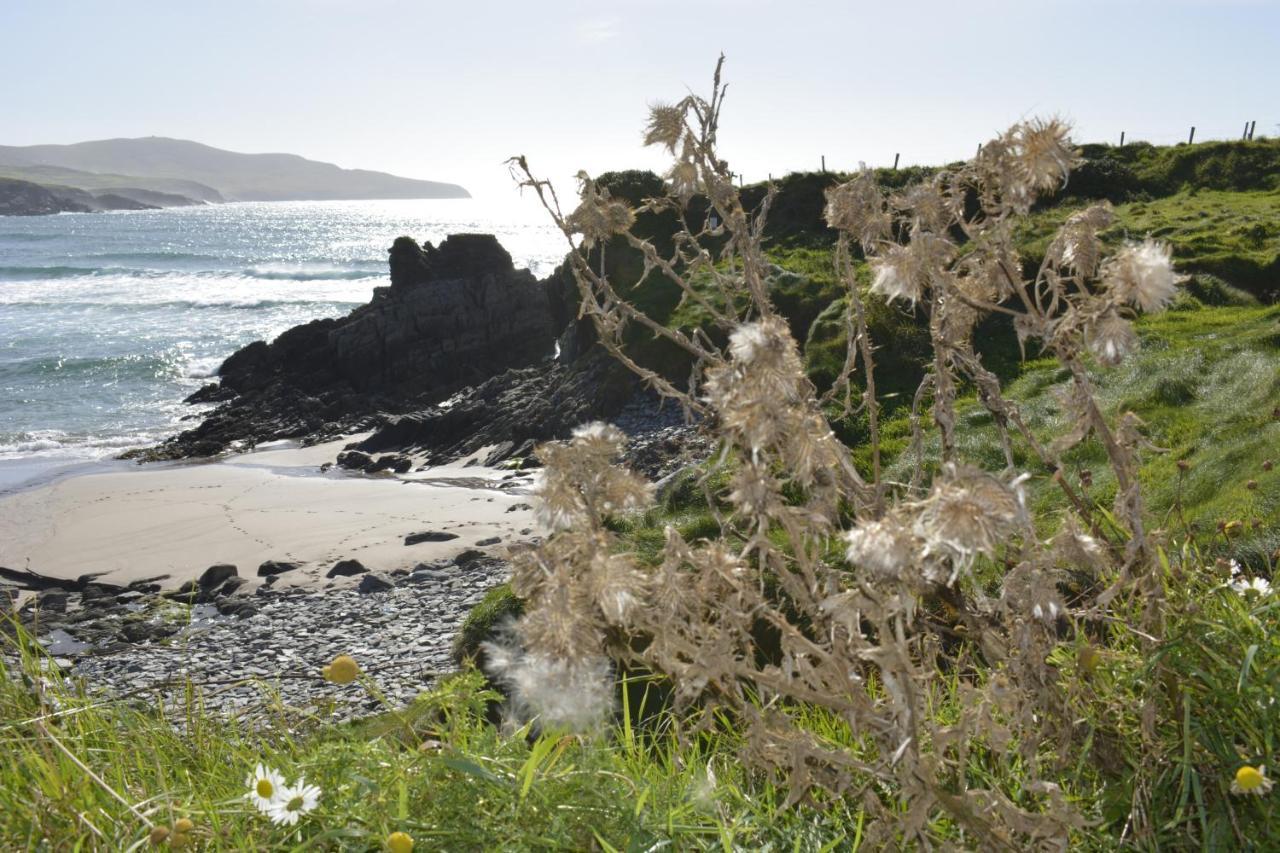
1249	130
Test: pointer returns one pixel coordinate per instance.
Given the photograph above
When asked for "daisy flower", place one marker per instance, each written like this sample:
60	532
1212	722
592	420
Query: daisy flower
1251	780
294	802
265	786
1252	587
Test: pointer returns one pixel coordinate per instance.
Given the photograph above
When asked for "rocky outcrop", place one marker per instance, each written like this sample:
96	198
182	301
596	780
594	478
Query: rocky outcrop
23	198
453	316
510	412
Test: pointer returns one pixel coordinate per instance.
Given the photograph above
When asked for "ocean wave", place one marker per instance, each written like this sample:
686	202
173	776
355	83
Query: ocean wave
247	303
203	368
27	237
309	274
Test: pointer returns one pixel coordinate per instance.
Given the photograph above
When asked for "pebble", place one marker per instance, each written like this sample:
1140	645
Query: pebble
399	636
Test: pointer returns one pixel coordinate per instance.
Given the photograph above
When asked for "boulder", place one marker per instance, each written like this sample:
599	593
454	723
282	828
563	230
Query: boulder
215	575
346	569
271	568
373	583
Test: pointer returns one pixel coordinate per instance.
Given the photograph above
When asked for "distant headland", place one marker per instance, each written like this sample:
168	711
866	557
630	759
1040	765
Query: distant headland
155	171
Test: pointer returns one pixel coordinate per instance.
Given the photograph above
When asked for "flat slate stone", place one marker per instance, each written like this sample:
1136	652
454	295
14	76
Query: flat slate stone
429	536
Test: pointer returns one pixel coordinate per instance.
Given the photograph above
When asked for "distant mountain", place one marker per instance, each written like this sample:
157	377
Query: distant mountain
236	177
94	182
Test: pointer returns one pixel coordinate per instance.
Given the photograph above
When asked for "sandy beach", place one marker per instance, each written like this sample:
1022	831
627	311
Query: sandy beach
271	504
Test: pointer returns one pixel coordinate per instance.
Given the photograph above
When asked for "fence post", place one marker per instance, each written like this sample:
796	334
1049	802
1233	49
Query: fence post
1245	135
824	162
1253	125
895	160
1122	139
1192	137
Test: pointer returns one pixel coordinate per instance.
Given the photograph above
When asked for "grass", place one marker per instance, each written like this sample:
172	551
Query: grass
1206	384
1234	236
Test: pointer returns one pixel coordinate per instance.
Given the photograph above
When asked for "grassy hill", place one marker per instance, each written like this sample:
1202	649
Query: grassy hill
98	181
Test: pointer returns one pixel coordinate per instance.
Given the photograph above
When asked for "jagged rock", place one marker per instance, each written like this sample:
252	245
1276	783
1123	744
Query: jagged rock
429	536
517	407
215	575
373	583
469	556
454	315
492	540
346	569
271	568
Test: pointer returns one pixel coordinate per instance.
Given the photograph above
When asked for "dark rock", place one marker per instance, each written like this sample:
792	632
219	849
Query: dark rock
232	586
275	567
469	556
185	592
520	507
492	540
429	536
215	575
500	452
511	410
52	600
373	583
241	608
354	460
346	569
94	592
129	596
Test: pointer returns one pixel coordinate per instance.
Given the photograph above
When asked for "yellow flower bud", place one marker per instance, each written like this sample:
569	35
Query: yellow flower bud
183	824
1248	778
1088	659
343	670
400	842
158	835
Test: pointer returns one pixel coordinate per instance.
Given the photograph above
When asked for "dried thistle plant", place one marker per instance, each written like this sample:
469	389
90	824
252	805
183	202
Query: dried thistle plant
772	619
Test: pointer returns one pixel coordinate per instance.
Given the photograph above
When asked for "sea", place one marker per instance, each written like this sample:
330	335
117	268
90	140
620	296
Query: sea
109	320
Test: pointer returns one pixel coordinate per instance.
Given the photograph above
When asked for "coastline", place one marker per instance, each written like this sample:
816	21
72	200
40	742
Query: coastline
270	504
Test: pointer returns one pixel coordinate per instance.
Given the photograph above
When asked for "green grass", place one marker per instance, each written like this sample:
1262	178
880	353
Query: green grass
1206	384
1234	236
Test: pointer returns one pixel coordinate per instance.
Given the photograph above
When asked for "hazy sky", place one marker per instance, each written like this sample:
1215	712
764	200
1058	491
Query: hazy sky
449	90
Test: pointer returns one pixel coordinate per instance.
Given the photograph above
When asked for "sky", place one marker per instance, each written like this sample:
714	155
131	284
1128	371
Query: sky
448	91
